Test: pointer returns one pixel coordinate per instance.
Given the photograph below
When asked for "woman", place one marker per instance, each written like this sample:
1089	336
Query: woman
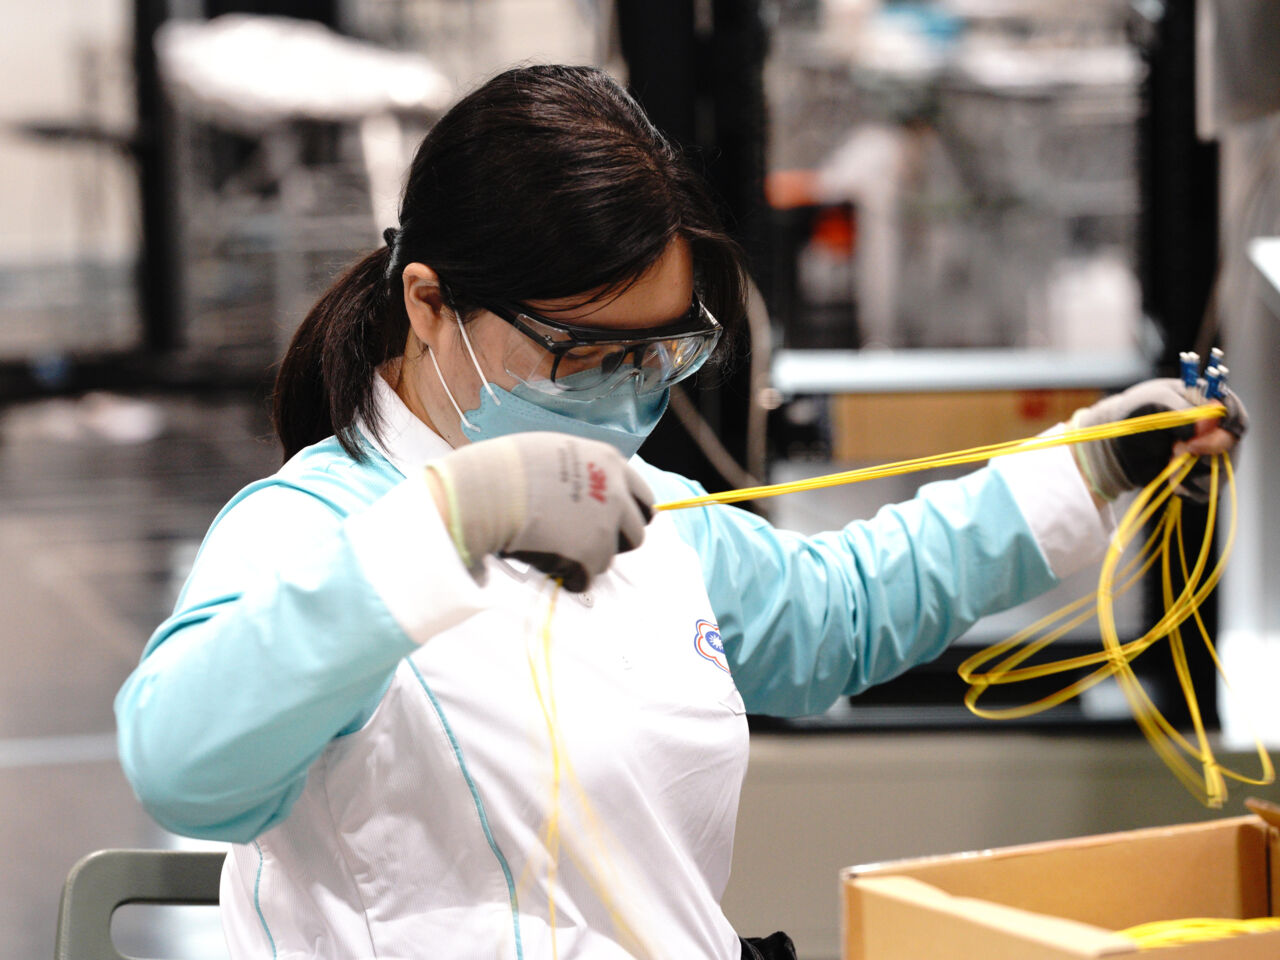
419	744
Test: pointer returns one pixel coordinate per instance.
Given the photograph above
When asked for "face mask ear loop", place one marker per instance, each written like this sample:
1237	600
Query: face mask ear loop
449	393
476	363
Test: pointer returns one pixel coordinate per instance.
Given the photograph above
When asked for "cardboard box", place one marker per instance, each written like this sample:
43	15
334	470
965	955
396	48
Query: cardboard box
876	427
1065	899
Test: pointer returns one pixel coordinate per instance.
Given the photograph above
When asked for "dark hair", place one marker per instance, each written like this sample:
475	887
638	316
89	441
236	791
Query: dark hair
546	182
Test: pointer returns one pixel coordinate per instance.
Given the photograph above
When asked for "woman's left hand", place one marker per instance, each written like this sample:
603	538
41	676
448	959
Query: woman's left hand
1111	467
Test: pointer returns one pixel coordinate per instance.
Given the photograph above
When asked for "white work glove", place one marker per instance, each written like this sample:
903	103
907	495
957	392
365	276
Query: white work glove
1128	463
558	502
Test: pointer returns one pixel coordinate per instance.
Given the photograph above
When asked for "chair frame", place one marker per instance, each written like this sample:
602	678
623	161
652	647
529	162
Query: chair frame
108	879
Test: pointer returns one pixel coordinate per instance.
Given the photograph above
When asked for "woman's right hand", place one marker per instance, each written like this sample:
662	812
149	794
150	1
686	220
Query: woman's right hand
562	503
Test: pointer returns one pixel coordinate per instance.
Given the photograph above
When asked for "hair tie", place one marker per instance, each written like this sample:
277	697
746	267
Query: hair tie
392	238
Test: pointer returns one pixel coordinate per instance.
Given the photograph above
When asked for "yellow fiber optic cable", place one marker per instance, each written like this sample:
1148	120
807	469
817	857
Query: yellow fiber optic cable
1165	739
1157	506
1207	779
1172	933
1006	671
1078	612
596	868
1208	784
1105	431
547	705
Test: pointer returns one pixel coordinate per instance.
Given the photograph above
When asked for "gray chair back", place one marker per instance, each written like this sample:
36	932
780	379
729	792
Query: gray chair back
108	879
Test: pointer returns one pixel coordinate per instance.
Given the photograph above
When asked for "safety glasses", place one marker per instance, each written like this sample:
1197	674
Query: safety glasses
582	363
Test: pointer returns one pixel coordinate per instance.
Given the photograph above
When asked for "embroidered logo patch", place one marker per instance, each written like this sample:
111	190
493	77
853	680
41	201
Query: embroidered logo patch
707	642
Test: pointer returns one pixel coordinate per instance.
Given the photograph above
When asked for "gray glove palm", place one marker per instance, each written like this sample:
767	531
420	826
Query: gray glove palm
1128	463
564	504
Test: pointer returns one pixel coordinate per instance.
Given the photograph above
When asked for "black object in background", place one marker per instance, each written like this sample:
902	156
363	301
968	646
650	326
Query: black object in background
158	271
702	84
1177	263
1177	181
323	11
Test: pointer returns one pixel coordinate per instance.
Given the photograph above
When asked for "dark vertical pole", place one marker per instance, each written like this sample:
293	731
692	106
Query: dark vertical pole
697	68
1178	183
660	45
736	58
157	270
1177	263
736	55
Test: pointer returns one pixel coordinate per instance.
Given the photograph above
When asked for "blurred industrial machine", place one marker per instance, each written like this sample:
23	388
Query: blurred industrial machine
964	215
985	214
289	142
987	156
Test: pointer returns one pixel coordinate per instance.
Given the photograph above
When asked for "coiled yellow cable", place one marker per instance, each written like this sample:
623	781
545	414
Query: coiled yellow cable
1114	660
1207	779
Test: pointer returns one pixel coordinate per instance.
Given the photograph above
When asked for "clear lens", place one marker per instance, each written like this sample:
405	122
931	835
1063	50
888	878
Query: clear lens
524	358
584	371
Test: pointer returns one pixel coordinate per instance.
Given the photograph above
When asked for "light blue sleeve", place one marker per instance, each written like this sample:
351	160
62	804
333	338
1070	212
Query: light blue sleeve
807	619
279	644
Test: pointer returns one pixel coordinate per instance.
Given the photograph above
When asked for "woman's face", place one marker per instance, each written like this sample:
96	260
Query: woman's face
660	296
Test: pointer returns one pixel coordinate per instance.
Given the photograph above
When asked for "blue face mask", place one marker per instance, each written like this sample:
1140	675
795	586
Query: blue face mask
621	418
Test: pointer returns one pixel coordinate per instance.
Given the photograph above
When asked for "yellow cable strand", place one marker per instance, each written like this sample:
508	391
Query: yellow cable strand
1000	674
1168	742
1172	933
600	873
1007	671
598	863
551	830
1208	784
1165	739
1156	505
1115	659
1106	431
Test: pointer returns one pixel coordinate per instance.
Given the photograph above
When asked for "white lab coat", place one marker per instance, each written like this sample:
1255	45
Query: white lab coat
374	728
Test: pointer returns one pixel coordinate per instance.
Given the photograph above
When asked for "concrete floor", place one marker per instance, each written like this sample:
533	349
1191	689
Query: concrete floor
97	528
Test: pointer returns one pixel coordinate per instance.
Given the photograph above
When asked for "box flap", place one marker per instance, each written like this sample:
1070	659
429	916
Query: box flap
1094	880
1040	901
891	917
1273	871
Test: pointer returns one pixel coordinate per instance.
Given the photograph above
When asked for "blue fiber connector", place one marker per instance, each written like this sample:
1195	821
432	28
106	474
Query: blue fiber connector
1190	361
1213	383
1221	379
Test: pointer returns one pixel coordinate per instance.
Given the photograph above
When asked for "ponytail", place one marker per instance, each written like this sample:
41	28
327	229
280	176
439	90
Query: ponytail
325	382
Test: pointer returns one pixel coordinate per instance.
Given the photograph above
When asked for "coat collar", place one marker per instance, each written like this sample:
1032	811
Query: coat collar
406	441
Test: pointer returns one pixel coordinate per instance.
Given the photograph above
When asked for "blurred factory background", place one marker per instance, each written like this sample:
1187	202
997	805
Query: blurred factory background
966	218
